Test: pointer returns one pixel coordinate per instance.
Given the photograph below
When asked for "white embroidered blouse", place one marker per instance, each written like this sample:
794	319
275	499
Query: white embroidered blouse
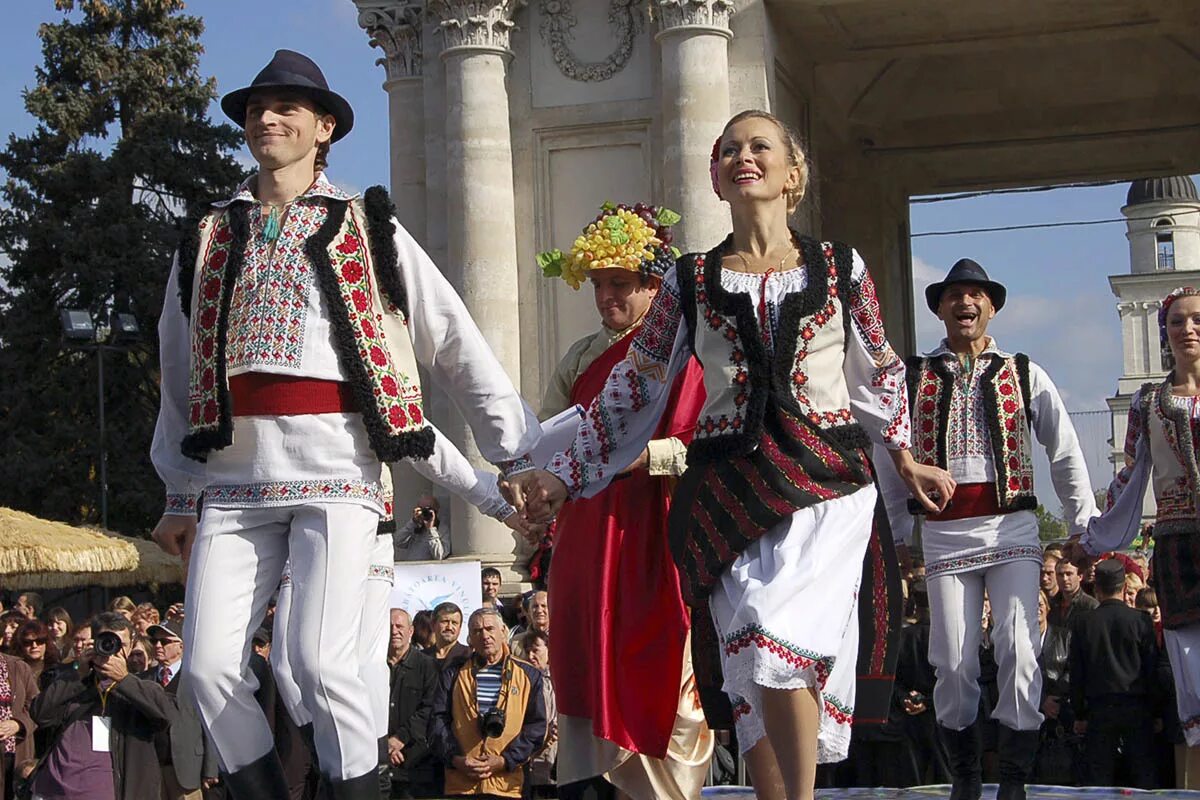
958	545
279	323
622	419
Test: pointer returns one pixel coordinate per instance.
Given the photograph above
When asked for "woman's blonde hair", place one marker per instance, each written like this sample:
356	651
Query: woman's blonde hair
795	151
122	605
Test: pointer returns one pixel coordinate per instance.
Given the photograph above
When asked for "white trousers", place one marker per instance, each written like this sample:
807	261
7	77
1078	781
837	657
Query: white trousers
236	564
956	606
1183	648
373	638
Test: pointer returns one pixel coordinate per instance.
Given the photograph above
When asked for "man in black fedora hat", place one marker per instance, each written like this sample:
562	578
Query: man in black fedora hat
975	410
295	319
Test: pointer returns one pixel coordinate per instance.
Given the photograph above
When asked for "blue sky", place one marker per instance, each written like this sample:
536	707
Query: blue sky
1060	309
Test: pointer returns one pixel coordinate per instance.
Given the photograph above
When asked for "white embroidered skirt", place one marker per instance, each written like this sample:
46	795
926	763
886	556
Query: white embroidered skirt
787	614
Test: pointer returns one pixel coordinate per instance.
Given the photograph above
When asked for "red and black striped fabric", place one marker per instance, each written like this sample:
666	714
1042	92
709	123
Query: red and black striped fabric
722	505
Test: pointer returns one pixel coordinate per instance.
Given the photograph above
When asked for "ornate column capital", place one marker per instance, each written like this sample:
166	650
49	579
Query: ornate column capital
481	25
696	16
395	28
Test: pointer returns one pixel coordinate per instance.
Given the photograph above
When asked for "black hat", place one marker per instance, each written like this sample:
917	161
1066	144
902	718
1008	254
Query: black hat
262	636
295	71
1110	576
966	271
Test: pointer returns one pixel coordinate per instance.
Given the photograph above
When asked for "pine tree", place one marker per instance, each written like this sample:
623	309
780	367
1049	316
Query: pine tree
88	220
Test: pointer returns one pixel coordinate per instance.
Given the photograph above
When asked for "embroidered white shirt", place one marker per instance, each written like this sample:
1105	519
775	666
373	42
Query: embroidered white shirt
282	325
978	541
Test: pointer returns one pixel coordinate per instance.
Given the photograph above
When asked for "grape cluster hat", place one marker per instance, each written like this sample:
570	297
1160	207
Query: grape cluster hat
634	238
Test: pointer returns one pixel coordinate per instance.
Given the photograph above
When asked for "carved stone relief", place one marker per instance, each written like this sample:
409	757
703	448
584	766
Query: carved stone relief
558	20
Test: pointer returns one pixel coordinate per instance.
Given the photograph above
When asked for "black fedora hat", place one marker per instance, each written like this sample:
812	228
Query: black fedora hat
297	72
966	271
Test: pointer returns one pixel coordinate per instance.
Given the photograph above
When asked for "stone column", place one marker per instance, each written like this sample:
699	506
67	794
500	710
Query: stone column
394	26
481	241
694	40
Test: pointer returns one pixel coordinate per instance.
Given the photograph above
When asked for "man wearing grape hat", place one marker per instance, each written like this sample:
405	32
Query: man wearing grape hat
627	716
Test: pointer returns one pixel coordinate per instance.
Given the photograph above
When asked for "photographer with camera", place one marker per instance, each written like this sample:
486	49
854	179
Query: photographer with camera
103	721
419	539
489	716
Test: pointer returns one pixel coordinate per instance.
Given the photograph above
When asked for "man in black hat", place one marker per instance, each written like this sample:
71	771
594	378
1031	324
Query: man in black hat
1114	654
295	319
975	410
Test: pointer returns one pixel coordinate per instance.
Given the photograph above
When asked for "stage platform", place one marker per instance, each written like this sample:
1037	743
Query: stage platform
989	793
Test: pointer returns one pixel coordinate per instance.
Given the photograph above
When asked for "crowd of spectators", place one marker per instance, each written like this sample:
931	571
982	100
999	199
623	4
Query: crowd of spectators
479	718
92	710
1107	687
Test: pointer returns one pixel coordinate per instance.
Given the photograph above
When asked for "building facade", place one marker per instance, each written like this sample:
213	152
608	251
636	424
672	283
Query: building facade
513	120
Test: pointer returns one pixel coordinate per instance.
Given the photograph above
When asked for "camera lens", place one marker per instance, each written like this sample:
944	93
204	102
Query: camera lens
492	723
107	643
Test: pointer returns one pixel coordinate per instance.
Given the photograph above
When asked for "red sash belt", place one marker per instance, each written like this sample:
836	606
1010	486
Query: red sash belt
970	500
256	394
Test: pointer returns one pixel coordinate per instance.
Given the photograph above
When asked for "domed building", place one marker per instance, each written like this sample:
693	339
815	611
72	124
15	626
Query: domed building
1163	228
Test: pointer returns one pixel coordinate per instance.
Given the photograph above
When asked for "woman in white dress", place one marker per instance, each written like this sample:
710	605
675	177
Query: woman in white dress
770	524
1161	449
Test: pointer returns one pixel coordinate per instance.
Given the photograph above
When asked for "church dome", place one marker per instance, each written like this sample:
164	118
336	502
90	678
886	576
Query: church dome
1177	188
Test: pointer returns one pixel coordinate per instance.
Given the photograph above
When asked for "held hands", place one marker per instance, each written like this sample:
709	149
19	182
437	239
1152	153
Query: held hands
174	534
548	500
537	495
518	488
8	729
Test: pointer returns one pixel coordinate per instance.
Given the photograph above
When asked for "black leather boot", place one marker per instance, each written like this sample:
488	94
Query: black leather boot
1018	753
261	780
364	787
965	753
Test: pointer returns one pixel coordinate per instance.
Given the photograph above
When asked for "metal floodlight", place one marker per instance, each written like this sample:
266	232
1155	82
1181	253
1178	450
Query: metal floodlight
124	328
77	325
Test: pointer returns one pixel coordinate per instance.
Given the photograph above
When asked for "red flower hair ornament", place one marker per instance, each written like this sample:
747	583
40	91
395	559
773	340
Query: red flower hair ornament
712	167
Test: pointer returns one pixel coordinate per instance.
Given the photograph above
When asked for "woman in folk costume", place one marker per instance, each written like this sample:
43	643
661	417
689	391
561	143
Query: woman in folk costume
1162	448
772	519
629	711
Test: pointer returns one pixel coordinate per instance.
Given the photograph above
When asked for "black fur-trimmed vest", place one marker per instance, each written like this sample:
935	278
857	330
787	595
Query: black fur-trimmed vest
1004	388
741	377
354	257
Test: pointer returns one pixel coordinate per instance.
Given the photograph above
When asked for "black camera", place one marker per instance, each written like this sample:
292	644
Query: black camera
492	723
427	513
107	643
